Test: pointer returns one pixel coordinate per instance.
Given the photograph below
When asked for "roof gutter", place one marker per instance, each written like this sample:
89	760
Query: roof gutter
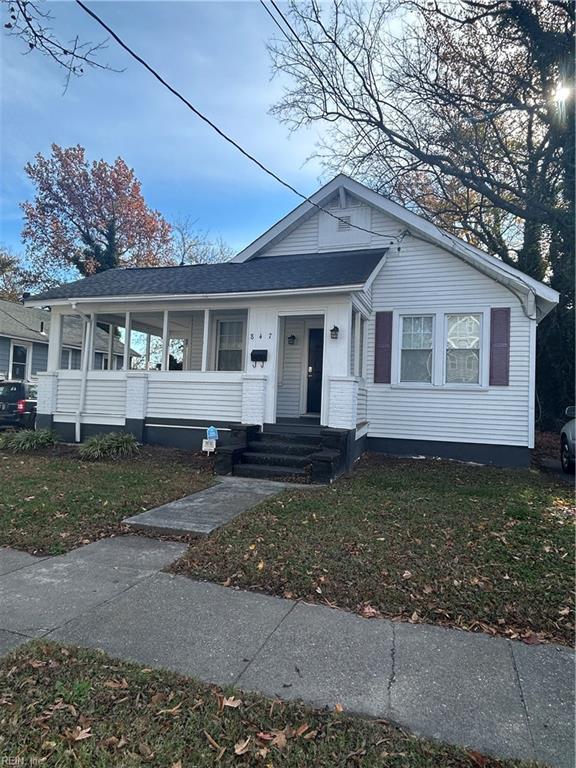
192	296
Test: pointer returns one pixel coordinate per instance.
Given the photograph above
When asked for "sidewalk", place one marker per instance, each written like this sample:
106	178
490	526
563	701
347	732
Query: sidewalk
493	695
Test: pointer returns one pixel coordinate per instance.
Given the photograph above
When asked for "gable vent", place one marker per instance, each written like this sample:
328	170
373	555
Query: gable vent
344	223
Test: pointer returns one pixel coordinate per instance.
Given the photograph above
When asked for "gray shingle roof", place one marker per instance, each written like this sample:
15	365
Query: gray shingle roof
18	322
262	274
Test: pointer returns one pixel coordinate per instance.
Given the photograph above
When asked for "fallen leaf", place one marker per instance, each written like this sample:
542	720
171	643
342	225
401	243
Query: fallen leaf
241	747
428	589
77	733
338	708
212	741
261	565
310	735
478	759
116	684
231	702
280	739
407	575
172	711
145	750
301	729
368	611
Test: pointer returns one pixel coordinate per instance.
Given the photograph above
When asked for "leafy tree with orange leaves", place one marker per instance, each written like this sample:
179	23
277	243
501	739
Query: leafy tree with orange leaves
90	216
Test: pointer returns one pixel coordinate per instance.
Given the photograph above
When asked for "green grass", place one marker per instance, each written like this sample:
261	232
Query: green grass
71	707
54	502
425	541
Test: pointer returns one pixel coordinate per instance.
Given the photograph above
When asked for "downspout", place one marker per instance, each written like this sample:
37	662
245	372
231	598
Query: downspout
88	337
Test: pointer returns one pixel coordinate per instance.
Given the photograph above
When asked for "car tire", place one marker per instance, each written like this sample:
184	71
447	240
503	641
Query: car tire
566	459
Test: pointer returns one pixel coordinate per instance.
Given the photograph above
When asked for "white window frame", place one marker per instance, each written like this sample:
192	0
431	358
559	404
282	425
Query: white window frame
217	319
439	335
29	350
398	322
68	352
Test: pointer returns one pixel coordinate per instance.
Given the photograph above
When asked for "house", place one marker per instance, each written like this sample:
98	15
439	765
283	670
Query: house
24	334
351	324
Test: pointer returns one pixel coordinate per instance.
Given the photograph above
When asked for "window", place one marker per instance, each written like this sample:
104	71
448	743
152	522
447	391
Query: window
463	333
416	349
65	359
19	361
229	345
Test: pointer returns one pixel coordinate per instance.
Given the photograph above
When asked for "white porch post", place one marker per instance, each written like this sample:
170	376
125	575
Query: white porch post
253	399
55	342
87	360
127	341
111	332
205	337
147	352
165	340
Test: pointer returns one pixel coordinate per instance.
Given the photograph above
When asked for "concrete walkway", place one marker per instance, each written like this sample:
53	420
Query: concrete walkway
490	694
205	511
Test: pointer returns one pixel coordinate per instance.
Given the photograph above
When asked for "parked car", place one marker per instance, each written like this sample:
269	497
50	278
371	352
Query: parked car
568	441
17	404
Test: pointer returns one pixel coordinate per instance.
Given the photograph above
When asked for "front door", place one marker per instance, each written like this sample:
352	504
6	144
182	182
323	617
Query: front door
315	355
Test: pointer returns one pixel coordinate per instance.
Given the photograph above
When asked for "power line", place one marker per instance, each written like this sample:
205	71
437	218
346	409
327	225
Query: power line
218	130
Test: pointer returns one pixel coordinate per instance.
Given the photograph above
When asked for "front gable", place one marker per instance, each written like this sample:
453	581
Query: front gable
355	226
345	215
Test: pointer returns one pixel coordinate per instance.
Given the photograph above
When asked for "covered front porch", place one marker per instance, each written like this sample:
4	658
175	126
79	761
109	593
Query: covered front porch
188	365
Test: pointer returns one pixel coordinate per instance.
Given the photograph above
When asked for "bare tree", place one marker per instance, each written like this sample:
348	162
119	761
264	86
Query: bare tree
461	110
193	246
31	21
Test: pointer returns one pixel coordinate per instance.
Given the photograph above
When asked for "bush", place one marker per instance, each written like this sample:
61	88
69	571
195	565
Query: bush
112	445
27	440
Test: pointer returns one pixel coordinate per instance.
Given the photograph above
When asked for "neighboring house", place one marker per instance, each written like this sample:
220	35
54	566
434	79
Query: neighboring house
362	324
24	335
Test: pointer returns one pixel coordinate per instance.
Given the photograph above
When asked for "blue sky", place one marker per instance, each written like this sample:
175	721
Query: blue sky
215	53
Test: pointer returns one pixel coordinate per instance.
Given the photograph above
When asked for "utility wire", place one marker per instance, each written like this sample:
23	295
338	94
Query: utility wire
219	131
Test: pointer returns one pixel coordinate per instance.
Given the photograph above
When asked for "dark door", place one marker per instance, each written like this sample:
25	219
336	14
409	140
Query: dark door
315	354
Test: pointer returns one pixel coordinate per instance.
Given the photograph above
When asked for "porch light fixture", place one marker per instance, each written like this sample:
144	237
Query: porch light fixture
334	331
291	339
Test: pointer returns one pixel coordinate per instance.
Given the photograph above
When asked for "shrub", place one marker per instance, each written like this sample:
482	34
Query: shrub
27	440
112	445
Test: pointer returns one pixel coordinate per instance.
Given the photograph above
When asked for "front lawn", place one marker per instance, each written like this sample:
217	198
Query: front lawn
70	707
53	502
425	541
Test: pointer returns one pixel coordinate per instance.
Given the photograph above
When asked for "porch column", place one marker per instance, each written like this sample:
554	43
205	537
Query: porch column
55	342
111	332
127	340
136	402
147	353
165	340
343	402
205	338
253	399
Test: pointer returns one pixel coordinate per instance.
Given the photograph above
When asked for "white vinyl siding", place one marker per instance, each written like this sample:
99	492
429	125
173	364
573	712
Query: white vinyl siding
181	397
104	396
305	238
423	278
